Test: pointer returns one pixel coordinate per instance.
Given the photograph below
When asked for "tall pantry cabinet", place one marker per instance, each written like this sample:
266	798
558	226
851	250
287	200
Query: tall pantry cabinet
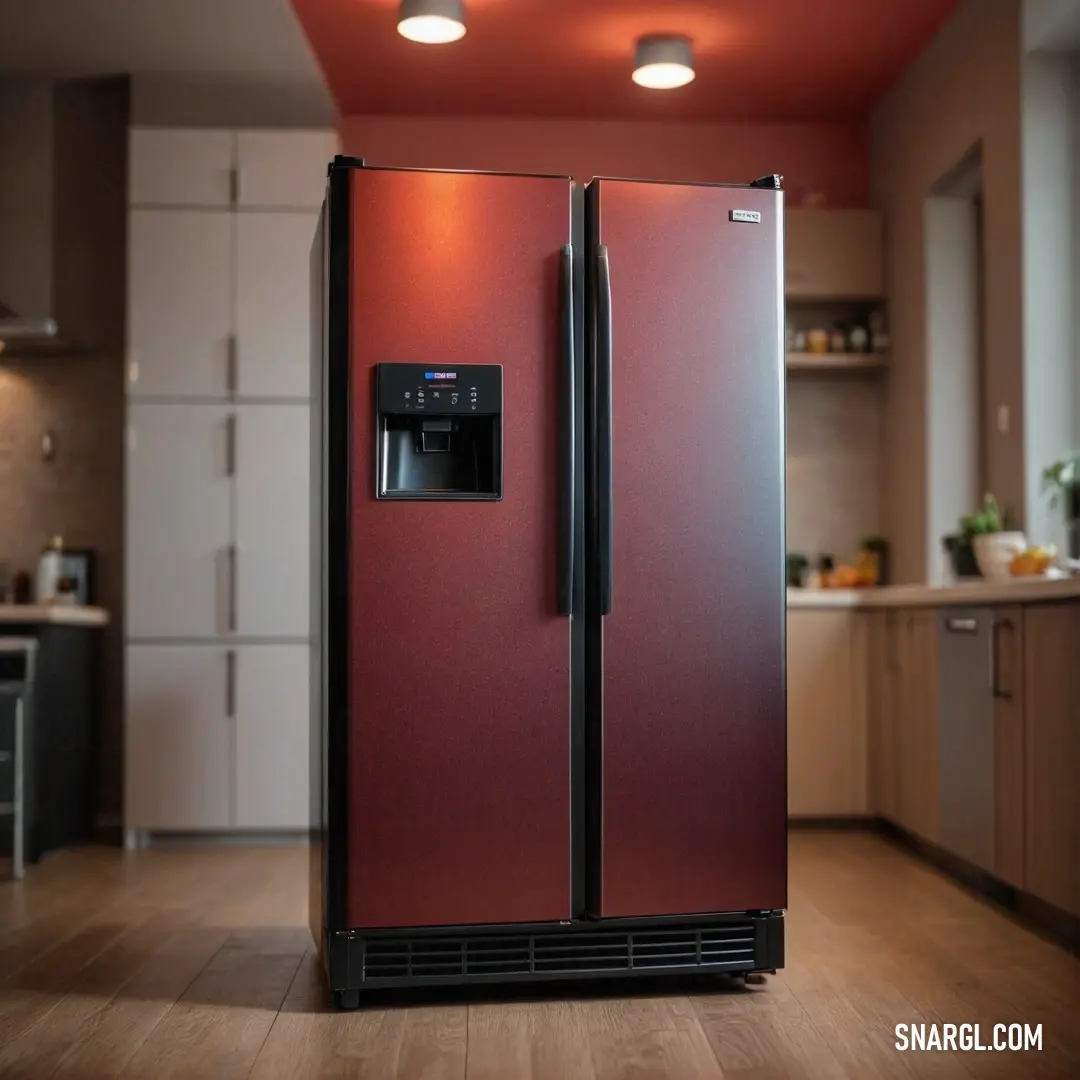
221	225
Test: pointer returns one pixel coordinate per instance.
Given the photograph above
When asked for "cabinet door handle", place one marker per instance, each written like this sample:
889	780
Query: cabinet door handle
995	658
230	684
566	594
234	557
604	414
230	449
232	359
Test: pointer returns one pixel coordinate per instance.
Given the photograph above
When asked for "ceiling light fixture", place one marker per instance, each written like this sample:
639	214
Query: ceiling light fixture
663	62
431	22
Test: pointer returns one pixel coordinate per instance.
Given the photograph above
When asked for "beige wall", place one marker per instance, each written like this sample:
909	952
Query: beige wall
953	388
964	90
1076	247
1050	349
209	101
825	158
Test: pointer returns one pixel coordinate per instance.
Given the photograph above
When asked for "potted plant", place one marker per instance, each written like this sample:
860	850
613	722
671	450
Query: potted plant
1062	480
993	545
960	546
961	556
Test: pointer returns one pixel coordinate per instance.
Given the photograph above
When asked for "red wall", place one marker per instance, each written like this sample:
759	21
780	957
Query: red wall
830	159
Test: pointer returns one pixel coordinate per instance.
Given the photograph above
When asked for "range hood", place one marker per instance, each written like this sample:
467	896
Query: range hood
26	335
63	200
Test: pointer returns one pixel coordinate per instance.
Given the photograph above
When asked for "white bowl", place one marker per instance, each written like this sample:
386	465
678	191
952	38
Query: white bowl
994	552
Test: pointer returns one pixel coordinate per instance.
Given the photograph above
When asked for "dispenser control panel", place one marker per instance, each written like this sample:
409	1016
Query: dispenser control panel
458	389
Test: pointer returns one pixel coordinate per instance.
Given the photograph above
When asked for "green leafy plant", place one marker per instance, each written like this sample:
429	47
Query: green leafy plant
988	519
1062	479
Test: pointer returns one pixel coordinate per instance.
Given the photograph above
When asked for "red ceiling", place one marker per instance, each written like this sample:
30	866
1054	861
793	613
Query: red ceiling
755	59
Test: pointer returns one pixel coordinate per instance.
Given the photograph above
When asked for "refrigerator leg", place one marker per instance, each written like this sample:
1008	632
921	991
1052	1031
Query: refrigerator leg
347	1000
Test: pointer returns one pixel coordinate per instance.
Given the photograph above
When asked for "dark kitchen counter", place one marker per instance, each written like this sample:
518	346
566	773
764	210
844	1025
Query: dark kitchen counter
64	721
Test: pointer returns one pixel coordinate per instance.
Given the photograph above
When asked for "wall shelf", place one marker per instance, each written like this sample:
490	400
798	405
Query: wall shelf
836	361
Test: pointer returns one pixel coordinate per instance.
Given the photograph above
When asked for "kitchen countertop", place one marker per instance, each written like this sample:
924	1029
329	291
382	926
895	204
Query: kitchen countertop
53	613
1020	591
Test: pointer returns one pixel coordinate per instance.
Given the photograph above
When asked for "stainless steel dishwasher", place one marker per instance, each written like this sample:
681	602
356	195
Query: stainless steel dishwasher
967	644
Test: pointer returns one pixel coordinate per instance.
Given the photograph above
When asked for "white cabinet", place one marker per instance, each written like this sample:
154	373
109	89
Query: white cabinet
283	169
178	738
179	515
221	226
272	701
180	303
217	738
273	481
273	307
177	167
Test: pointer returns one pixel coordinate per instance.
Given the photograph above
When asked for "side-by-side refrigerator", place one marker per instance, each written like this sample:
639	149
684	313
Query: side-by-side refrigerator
549	734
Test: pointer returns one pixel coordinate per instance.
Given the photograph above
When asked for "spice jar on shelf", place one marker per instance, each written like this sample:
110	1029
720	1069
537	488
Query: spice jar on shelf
858	339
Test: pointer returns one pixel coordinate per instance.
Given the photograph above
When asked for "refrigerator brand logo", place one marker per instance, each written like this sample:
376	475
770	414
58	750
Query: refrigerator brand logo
751	216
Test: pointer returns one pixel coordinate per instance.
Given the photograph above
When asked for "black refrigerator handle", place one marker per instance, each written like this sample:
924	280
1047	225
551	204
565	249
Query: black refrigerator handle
569	463
603	424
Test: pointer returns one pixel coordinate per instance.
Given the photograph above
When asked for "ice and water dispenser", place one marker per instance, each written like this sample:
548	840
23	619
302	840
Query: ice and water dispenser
439	431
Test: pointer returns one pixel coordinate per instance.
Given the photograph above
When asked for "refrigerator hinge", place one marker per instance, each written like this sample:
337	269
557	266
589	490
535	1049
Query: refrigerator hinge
773	182
344	161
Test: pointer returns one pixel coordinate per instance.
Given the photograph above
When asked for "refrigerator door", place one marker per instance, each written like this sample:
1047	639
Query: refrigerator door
689	733
460	673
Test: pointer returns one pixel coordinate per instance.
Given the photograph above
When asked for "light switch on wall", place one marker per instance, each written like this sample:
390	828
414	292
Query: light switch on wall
1003	419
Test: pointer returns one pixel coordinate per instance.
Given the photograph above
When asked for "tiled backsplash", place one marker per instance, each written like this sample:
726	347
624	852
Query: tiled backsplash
834	462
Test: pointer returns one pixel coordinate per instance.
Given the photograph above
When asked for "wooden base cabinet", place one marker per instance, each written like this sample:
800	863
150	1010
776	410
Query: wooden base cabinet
1007	683
827	755
912	646
881	712
1051	696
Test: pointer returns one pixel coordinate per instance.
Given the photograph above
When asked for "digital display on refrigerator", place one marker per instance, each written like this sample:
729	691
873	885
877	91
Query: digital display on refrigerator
440	376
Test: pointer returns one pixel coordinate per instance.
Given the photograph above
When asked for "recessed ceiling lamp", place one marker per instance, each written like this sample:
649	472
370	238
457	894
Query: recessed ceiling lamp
431	22
663	62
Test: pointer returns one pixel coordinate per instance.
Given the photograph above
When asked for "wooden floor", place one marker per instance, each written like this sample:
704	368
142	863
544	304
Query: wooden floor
196	964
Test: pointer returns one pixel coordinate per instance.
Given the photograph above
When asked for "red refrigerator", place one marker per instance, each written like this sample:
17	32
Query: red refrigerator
549	706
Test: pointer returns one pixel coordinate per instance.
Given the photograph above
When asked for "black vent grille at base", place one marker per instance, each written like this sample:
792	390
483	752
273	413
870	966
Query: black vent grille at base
727	946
